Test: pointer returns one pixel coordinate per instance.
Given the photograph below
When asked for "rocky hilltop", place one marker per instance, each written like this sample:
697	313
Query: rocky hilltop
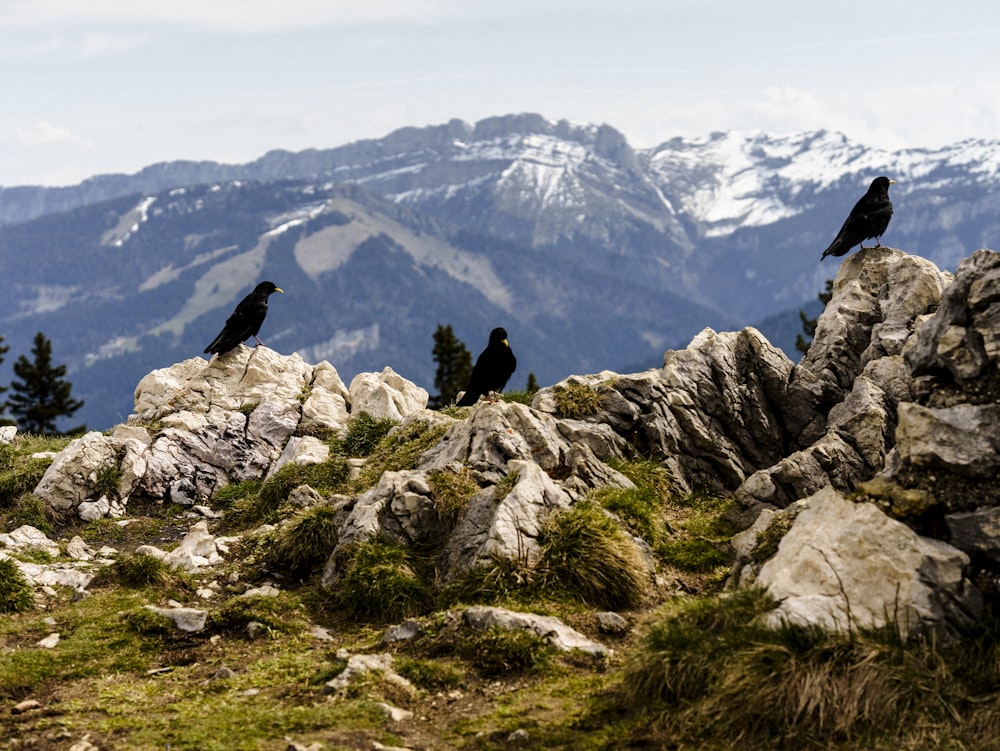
875	456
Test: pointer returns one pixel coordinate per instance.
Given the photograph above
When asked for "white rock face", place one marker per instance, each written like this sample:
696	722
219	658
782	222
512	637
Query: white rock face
27	537
847	565
191	620
360	666
386	395
216	422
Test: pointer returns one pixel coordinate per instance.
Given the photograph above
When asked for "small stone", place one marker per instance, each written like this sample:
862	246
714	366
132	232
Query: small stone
519	737
318	632
396	714
406	631
222	674
25	706
49	642
612	623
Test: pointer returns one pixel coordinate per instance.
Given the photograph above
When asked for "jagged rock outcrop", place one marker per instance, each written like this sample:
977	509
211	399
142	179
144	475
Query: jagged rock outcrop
732	411
202	424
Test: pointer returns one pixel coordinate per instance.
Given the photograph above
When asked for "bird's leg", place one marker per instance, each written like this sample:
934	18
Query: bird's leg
877	243
259	341
863	245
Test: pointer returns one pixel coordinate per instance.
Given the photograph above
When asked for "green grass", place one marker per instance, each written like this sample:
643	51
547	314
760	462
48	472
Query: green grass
139	572
93	644
28	509
518	396
381	583
399	449
700	540
19	472
501	582
303	544
643	508
256	505
710	672
364	433
16	593
496	652
576	400
431	675
584	552
452	492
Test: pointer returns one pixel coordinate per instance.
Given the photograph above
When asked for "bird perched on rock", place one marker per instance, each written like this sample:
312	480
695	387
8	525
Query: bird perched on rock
245	320
869	218
492	370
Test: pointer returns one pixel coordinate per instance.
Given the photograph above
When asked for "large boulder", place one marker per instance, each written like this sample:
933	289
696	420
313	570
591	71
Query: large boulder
386	395
847	566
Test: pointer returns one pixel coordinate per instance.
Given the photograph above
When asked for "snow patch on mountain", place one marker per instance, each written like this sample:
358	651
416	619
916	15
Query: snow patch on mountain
296	218
128	224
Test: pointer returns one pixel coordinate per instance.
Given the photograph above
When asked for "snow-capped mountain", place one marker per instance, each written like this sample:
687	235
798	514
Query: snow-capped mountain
592	253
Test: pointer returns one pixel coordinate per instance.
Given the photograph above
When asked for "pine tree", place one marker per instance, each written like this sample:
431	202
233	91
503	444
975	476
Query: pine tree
42	394
454	366
532	385
809	324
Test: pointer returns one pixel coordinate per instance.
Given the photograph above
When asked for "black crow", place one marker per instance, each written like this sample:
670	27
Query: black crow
869	218
493	369
245	320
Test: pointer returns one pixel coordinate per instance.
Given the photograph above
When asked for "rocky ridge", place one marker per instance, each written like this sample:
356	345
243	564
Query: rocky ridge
876	452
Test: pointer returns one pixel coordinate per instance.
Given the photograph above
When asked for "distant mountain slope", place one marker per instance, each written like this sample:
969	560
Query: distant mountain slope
592	254
135	283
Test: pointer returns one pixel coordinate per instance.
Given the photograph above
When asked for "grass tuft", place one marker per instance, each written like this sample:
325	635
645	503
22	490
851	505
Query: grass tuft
452	492
496	652
586	553
642	508
139	571
305	542
576	400
16	594
710	672
364	433
263	506
381	583
399	449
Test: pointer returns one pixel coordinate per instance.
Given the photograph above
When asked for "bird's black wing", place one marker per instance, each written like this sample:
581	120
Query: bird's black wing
869	218
493	369
477	383
245	322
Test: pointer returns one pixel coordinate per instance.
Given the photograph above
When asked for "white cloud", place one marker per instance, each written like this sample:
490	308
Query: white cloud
228	16
45	134
99	44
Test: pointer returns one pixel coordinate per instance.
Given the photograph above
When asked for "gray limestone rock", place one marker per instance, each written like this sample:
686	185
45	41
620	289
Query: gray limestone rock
553	630
846	565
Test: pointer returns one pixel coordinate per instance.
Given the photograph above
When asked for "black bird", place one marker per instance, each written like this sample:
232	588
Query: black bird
869	218
493	369
245	320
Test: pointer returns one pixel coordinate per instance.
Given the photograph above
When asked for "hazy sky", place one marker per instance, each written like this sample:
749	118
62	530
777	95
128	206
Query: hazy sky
96	86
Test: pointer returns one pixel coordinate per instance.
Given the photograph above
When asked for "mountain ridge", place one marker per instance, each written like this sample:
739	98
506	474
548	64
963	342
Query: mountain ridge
593	254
